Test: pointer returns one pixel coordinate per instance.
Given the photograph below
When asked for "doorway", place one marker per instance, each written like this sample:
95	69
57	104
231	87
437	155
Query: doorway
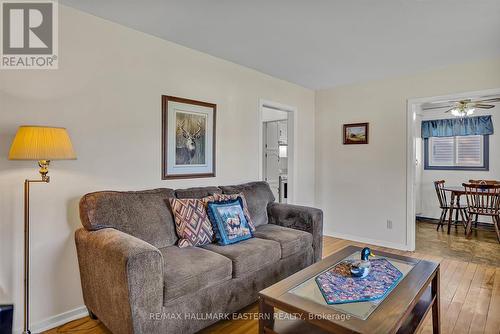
419	189
276	149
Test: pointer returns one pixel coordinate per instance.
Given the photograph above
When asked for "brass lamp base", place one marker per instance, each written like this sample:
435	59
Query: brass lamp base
44	169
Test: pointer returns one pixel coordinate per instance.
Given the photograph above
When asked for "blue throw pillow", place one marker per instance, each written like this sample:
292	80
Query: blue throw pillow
228	221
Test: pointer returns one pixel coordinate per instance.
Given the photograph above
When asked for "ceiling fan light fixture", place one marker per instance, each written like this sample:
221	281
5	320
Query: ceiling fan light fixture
457	112
462	111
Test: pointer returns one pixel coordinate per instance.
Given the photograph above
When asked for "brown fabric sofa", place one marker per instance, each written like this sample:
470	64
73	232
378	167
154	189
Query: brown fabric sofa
136	280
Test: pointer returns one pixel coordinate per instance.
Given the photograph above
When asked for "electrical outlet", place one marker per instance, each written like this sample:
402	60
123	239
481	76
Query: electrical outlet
389	224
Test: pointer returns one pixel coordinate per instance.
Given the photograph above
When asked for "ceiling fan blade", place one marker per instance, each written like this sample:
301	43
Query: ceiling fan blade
496	99
438	107
483	106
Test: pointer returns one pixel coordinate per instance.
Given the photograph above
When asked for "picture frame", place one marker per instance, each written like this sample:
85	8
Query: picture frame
356	133
188	138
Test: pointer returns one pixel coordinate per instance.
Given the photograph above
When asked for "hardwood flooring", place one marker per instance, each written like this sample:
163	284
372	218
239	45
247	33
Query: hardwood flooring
481	248
470	288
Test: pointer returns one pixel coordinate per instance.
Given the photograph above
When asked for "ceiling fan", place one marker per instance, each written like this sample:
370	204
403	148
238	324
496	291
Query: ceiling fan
466	107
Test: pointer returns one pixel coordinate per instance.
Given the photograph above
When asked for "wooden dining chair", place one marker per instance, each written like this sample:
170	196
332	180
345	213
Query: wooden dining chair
483	200
445	206
482	182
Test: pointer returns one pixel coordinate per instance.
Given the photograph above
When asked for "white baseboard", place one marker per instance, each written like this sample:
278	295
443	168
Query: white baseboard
57	320
375	242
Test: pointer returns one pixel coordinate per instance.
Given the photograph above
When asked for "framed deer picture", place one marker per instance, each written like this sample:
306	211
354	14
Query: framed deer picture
188	138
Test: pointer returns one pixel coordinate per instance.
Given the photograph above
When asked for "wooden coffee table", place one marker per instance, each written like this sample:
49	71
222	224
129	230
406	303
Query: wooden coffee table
305	311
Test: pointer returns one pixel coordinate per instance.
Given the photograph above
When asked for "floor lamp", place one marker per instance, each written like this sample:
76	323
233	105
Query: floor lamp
42	144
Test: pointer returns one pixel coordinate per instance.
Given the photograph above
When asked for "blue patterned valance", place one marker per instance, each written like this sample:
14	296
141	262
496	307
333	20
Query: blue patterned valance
467	126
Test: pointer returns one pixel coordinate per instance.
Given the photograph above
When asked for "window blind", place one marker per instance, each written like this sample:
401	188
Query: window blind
464	151
442	151
469	150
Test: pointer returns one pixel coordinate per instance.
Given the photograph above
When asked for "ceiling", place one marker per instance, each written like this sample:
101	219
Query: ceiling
322	43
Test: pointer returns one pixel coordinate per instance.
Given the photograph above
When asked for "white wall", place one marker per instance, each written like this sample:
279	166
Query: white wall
359	187
430	207
107	93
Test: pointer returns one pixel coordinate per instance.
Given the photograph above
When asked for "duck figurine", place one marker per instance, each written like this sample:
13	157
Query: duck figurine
361	268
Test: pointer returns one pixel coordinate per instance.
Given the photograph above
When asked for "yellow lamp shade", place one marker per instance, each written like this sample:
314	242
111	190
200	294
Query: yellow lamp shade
41	143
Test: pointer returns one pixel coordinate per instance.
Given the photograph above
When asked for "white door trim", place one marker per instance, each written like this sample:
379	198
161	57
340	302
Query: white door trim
413	107
292	152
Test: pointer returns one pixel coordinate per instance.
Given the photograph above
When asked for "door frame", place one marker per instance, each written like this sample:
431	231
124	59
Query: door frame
412	109
291	150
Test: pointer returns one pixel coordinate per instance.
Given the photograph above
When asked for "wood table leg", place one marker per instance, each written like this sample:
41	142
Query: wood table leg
436	306
456	211
452	205
463	215
266	315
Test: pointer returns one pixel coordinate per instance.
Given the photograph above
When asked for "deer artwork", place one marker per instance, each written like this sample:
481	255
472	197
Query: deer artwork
186	153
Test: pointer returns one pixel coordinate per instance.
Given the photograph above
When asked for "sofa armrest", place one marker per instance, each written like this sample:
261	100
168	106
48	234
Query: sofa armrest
122	279
300	218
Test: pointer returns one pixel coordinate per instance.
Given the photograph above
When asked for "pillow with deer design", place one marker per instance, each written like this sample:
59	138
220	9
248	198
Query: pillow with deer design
227	197
228	221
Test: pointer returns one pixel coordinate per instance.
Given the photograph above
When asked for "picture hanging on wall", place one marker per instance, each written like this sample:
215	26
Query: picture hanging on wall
356	133
188	138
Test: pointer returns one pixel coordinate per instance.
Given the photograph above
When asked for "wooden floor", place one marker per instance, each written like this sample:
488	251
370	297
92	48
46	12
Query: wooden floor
481	247
470	293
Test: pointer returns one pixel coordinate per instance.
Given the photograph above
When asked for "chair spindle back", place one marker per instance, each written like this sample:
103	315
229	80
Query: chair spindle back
441	193
490	182
483	198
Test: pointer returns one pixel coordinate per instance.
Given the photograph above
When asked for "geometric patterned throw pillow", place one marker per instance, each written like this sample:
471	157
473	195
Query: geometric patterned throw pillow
191	222
226	197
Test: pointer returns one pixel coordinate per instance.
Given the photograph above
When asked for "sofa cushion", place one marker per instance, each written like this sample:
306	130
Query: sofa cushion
249	255
228	221
191	222
142	214
291	241
258	195
187	270
197	192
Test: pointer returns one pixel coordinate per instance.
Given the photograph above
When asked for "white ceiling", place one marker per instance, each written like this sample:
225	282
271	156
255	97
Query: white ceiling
320	43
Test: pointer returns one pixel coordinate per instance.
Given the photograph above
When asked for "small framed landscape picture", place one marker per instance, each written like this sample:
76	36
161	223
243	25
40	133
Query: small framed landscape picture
356	133
188	138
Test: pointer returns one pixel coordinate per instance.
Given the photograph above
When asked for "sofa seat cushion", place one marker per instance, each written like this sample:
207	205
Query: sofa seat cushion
190	269
291	241
249	255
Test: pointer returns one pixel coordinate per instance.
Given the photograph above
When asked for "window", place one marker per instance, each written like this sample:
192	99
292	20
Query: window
457	153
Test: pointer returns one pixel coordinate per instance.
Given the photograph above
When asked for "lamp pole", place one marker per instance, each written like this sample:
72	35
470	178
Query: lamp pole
45	179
